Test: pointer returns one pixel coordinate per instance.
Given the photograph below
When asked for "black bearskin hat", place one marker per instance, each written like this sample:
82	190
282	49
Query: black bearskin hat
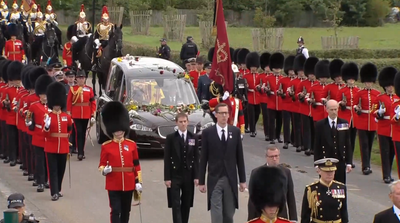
397	84
242	54
42	83
4	70
1	67
299	62
56	95
322	69
268	187
115	117
14	71
276	61
235	55
386	77
368	73
334	68
69	32
288	65
309	65
252	60
231	51
349	71
12	29
25	76
210	55
264	60
35	74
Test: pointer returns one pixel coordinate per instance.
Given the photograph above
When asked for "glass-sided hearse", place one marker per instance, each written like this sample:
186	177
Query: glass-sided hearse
153	90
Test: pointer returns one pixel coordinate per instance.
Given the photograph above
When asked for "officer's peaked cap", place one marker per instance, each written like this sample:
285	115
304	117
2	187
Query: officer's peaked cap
235	55
368	73
299	62
288	65
322	69
309	65
242	54
12	29
42	83
35	73
397	84
56	95
25	76
268	187
114	118
334	68
276	61
16	200
252	60
210	55
349	71
264	60
386	77
14	70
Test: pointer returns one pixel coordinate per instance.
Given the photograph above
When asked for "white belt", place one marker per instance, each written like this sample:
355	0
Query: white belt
39	35
251	90
386	117
318	103
272	93
348	107
38	126
82	35
365	111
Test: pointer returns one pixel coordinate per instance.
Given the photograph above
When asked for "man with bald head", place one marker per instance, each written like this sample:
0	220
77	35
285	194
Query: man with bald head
332	139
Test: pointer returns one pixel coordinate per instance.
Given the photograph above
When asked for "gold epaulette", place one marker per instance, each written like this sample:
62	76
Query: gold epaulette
284	219
253	220
313	183
130	140
106	142
338	182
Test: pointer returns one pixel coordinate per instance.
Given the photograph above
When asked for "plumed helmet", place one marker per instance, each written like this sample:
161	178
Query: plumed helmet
268	187
15	5
35	73
397	84
114	118
386	77
69	32
104	13
309	65
82	13
264	60
12	29
39	12
235	55
42	83
33	5
49	7
4	70
56	95
14	71
322	69
299	62
276	61
368	73
252	60
288	65
25	76
242	54
334	68
210	55
349	71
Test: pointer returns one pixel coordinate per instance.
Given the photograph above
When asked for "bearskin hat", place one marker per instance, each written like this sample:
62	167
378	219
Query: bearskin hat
334	68
252	60
349	71
1	67
231	51
25	76
264	60
276	61
242	54
235	55
210	55
397	84
115	117
299	62
268	187
42	83
288	65
368	73
309	65
4	73
35	73
14	70
12	29
69	32
386	77
56	95
322	69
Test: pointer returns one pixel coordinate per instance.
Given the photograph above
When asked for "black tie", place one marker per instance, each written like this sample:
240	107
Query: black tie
183	138
333	125
223	136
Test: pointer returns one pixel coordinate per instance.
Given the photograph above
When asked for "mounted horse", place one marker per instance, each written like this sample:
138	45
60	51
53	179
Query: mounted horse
22	35
44	47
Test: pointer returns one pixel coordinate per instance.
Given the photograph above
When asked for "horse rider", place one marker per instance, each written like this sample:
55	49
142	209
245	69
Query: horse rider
15	15
2	4
101	36
51	17
4	14
34	10
80	35
39	28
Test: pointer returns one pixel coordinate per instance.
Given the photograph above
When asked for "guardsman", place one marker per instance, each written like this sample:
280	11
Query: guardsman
4	111
2	4
235	57
81	33
384	126
346	94
366	103
102	35
331	90
252	78
15	15
298	67
317	91
24	14
14	49
302	49
395	117
303	93
241	59
267	189
287	102
5	14
325	200
264	64
34	10
57	128
39	28
274	91
199	71
81	105
119	162
2	129
51	17
38	110
67	51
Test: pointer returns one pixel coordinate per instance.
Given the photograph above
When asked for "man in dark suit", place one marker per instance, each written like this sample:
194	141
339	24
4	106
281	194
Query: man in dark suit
221	149
392	214
203	85
181	168
272	155
332	139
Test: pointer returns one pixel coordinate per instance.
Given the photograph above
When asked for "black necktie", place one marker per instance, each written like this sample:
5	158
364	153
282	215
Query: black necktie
183	138
223	135
333	125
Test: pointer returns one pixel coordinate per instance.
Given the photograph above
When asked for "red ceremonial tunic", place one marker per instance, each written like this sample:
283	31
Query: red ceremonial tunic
81	103
369	103
286	101
57	136
12	93
67	54
264	219
20	122
38	112
384	125
318	110
3	86
275	101
21	115
263	79
395	122
236	115
304	106
252	94
348	93
294	82
30	99
194	77
14	50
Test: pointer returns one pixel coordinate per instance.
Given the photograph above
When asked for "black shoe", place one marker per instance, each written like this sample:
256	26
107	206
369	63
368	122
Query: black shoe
34	184
298	149
307	152
74	151
55	197
25	173
21	167
367	171
247	131
253	134
387	180
7	160
84	157
19	161
80	157
40	188
2	156
31	177
280	140
267	138
286	146
46	185
312	152
60	194
272	142
13	163
353	166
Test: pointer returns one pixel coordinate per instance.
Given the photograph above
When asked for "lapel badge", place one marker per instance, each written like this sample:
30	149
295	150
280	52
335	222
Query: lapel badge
230	135
191	142
126	147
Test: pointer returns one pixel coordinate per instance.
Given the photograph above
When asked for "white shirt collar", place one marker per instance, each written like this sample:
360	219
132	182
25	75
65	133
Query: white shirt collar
184	133
330	121
396	211
219	128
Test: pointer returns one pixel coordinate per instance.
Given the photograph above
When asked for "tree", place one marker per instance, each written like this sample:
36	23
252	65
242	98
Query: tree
376	11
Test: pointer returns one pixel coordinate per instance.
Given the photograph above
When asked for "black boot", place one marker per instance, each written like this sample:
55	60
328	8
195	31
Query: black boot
40	188
31	177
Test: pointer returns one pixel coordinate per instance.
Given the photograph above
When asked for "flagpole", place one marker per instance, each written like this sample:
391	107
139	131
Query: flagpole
214	31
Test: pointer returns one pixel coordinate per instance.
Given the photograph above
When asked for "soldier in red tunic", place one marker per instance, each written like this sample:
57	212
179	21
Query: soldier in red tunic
3	86
268	192
252	78
367	102
241	60
384	126
57	128
332	89
317	98
264	64
196	73
119	162
14	48
395	117
67	51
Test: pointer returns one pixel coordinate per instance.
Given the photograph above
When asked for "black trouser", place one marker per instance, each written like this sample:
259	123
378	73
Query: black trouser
386	147
307	129
353	135
274	124
77	47
41	173
366	139
181	195
56	164
30	157
22	148
36	48
296	120
397	153
340	173
253	112
4	138
81	128
120	203
286	117
265	120
72	139
246	117
12	142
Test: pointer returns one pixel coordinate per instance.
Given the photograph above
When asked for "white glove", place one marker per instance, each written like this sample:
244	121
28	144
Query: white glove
138	187
23	61
47	122
397	111
14	102
29	123
92	121
381	110
55	22
74	39
226	96
241	136
97	42
107	170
